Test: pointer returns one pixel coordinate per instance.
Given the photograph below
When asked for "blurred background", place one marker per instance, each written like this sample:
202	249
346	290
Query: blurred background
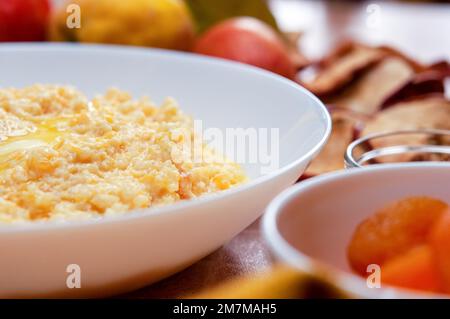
416	27
412	26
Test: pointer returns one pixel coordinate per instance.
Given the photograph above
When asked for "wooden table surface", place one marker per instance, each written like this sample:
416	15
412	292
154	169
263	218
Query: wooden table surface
244	254
411	28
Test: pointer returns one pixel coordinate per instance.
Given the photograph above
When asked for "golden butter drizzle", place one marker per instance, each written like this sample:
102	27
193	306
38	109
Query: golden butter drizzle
14	139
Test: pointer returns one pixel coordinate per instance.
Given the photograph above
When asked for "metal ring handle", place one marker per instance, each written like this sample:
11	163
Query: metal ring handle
351	161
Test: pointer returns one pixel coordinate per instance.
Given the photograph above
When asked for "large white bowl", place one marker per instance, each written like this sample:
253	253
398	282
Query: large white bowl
309	225
117	254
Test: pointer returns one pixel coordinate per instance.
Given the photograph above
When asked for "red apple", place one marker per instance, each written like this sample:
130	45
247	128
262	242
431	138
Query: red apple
23	20
250	41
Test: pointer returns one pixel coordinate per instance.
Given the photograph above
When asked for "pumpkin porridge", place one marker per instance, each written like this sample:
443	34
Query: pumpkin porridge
63	156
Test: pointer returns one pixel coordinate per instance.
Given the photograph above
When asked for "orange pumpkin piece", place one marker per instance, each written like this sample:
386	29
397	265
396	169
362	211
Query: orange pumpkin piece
416	269
440	243
393	230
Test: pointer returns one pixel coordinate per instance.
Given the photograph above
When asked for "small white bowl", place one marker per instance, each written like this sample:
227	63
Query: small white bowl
310	225
121	253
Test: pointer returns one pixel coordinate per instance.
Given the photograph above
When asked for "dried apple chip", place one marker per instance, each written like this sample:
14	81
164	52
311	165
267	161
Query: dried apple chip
368	92
340	68
422	85
331	158
417	66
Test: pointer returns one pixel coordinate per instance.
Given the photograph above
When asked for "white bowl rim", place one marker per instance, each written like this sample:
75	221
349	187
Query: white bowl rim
348	282
179	206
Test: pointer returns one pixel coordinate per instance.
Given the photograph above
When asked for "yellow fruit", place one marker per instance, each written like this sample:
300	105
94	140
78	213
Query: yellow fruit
155	23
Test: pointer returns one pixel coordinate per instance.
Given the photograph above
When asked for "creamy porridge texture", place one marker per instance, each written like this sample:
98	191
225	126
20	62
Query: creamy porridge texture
63	156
